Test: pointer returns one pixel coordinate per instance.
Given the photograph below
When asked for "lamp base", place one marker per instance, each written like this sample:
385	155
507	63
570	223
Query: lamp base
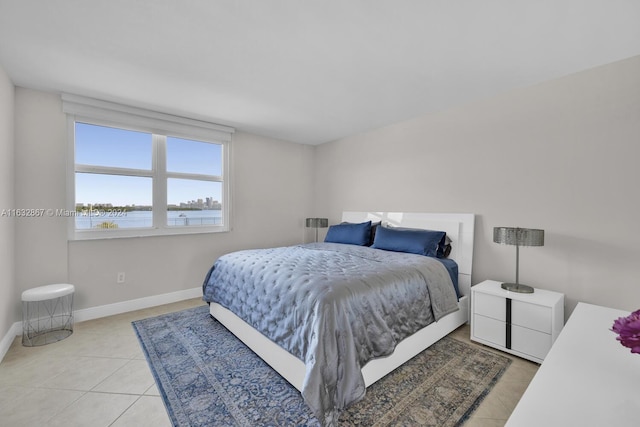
516	287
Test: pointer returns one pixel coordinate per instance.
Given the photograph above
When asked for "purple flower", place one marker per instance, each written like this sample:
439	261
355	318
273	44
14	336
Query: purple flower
628	330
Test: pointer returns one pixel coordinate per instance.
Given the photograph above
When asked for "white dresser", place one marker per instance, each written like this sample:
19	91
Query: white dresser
522	324
588	378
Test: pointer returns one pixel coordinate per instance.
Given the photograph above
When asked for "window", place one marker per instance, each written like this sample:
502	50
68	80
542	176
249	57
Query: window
139	173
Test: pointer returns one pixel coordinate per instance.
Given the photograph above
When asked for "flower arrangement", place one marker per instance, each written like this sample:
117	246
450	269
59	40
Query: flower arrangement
628	330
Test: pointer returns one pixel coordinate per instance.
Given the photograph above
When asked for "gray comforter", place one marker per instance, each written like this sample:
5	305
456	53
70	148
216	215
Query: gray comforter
333	306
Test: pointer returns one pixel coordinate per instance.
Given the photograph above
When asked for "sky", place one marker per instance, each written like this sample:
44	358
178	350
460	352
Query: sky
104	146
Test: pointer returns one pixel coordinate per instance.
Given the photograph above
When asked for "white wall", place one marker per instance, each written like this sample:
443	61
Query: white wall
8	292
561	156
41	245
271	197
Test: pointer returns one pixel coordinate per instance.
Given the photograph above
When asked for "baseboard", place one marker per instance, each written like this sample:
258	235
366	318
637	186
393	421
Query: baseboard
134	304
14	331
108	310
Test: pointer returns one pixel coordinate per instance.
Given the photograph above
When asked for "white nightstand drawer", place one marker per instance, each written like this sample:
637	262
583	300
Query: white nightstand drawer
524	314
490	306
531	316
488	329
523	340
528	341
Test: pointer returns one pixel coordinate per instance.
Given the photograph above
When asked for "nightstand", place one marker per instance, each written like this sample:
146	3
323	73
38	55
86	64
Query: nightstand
525	325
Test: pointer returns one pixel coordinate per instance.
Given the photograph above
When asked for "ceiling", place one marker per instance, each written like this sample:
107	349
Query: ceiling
302	70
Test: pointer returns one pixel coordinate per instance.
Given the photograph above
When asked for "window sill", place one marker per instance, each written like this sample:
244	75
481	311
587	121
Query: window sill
142	232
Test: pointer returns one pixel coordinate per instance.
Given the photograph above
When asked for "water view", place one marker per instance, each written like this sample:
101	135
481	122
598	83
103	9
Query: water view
138	219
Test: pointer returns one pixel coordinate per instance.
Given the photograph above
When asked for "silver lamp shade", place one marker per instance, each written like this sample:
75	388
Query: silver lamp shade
518	237
317	223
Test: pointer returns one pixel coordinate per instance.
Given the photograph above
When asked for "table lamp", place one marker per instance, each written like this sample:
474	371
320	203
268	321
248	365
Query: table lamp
317	223
518	237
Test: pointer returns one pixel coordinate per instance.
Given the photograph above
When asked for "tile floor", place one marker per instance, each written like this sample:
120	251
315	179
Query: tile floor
99	377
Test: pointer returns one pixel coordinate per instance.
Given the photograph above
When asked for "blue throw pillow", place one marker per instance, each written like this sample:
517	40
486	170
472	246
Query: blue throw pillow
351	234
410	240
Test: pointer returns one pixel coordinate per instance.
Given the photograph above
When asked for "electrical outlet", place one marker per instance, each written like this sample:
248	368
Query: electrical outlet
120	278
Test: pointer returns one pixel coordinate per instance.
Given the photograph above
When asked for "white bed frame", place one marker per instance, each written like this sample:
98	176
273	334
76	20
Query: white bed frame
459	228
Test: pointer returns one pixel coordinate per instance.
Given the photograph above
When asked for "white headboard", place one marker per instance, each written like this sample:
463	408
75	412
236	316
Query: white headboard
458	226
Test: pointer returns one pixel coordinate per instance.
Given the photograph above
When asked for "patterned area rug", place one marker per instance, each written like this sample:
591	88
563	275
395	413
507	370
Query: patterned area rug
207	377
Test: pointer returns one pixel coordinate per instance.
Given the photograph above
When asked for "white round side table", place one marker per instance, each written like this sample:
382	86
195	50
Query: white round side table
47	314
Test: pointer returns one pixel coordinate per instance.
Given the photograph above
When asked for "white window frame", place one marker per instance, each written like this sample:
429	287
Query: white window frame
161	126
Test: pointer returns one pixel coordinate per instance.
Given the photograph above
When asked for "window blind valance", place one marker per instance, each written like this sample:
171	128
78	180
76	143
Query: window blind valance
151	121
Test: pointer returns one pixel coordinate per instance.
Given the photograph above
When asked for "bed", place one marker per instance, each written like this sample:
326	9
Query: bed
332	351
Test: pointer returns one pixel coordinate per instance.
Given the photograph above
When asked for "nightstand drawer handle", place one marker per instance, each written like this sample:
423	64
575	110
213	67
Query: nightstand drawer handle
508	323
